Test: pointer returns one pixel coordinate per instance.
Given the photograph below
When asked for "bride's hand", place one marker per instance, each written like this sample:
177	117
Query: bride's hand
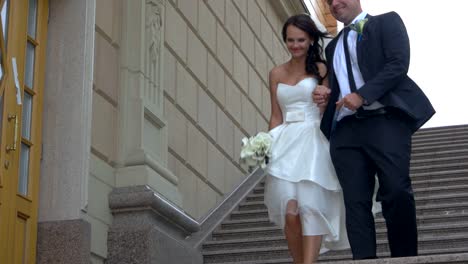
320	95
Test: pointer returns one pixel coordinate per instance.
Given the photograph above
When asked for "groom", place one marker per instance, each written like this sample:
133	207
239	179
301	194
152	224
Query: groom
371	112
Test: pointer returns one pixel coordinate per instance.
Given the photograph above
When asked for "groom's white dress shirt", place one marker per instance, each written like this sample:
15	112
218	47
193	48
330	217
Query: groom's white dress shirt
341	72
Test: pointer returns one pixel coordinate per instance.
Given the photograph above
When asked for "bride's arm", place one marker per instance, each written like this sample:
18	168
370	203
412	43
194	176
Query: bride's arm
276	117
323	74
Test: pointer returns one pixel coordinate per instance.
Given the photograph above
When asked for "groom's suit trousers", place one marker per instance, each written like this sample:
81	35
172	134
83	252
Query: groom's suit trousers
360	149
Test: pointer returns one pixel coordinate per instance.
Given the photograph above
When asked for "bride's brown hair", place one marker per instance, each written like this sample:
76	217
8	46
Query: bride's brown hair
314	54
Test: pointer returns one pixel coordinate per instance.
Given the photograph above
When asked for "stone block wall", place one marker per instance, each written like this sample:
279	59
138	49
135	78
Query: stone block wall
104	130
217	57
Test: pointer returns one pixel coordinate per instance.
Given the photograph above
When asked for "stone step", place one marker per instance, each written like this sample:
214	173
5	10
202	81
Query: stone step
430	245
439	154
454	181
441	129
257	197
440	167
256	235
439	161
439	175
438	208
443	142
436	148
421	192
245	242
430	219
454	258
384	252
440	134
444	208
438	137
246	223
435	140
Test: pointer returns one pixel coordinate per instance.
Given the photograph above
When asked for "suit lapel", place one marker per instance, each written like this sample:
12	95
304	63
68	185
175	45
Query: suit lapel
361	43
331	46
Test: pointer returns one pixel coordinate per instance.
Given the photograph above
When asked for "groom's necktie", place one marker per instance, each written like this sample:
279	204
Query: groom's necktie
349	68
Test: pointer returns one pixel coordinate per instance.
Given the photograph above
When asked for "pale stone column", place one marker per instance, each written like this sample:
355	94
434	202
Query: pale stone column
142	153
67	109
62	235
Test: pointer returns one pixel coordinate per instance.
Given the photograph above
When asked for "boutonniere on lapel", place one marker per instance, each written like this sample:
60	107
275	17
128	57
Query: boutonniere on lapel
359	27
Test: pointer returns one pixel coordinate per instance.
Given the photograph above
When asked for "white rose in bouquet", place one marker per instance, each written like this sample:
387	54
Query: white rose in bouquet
256	151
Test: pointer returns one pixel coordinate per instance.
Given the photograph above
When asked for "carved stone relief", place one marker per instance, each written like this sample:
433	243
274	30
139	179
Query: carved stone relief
153	36
153	29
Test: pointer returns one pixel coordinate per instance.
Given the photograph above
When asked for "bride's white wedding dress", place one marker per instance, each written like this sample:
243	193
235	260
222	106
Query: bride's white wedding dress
301	169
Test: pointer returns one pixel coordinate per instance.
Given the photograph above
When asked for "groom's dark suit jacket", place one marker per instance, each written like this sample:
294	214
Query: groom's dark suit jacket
383	54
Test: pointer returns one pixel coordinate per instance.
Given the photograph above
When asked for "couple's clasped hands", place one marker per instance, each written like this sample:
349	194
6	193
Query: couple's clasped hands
321	95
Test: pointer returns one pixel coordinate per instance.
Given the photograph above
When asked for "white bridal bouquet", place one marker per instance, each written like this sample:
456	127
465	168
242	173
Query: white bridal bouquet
256	151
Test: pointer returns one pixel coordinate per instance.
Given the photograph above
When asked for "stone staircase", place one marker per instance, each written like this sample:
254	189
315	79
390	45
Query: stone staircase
439	171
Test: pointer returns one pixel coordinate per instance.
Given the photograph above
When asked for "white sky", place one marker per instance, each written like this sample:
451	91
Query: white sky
439	52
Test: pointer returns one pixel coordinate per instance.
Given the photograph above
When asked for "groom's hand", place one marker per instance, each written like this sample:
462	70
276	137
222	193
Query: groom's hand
321	95
351	101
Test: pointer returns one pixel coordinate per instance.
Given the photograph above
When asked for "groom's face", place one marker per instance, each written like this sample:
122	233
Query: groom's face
345	10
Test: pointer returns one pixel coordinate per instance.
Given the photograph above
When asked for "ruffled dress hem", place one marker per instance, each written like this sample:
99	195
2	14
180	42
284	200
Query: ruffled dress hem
274	173
316	217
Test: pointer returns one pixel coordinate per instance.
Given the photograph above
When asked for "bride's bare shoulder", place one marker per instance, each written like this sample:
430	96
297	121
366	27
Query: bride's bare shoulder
277	72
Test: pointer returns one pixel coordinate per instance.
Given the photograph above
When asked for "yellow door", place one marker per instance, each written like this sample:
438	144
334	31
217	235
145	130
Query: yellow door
22	44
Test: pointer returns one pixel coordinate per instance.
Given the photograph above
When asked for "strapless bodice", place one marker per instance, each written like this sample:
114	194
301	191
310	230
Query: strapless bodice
296	101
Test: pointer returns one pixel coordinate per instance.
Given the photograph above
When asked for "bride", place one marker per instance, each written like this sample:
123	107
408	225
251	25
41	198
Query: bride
302	192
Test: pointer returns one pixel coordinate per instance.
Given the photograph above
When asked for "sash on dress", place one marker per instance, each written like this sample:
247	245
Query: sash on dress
295	116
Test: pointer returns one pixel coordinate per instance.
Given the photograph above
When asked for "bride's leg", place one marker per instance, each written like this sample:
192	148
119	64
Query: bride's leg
311	248
293	231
